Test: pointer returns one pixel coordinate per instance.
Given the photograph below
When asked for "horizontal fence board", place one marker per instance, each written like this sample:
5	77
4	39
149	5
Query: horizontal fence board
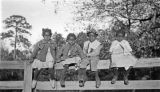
12	65
11	84
148	62
105	85
141	63
103	64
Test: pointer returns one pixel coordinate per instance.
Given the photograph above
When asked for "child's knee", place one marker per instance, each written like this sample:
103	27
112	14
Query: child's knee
83	64
50	65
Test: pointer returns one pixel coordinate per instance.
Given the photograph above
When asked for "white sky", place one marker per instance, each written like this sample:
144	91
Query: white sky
39	15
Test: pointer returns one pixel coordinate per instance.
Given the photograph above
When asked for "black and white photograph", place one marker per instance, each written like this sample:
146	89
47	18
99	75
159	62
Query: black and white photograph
80	46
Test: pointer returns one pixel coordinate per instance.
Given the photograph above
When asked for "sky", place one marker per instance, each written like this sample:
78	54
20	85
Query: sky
40	15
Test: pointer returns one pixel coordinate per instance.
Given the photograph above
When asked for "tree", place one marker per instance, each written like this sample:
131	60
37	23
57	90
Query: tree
81	38
127	10
18	27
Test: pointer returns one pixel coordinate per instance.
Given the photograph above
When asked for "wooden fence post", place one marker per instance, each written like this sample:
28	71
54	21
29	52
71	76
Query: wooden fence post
27	77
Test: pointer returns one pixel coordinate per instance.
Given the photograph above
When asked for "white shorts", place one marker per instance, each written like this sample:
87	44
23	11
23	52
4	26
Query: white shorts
39	64
76	60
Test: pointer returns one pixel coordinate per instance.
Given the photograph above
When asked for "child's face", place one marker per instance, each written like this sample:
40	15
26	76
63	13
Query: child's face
92	37
71	40
47	36
120	37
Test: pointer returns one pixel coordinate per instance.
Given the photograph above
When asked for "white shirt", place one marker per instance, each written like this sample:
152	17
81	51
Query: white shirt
90	47
116	47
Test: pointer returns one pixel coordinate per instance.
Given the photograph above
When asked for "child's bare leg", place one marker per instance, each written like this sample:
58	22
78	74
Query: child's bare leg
52	77
126	74
52	73
82	72
115	77
82	76
94	63
98	82
36	73
63	76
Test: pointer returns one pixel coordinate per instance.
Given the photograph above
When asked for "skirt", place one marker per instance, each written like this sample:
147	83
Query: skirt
48	64
122	60
39	64
75	60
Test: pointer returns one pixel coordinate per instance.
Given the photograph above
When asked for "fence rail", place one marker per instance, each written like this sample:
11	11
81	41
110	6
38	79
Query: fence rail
25	85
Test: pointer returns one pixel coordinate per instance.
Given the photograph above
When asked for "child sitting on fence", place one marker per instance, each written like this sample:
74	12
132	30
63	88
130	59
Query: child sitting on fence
91	49
121	57
43	56
70	53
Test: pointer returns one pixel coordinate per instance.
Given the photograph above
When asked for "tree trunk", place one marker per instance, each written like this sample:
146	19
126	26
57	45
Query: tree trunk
15	45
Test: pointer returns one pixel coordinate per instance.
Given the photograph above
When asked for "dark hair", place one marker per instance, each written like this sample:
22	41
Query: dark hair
45	30
71	35
120	32
92	31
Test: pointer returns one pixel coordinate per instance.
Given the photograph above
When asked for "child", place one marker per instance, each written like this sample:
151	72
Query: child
43	57
121	57
71	53
91	49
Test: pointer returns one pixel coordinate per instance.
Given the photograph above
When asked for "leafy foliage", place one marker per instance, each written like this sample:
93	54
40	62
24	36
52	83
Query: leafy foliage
81	38
137	18
18	27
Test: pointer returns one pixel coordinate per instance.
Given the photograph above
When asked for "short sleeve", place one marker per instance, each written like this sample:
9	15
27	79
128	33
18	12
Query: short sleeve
127	46
85	46
53	44
80	51
35	50
60	52
112	46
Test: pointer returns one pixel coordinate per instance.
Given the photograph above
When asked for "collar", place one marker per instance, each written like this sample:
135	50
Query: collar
71	45
49	41
93	41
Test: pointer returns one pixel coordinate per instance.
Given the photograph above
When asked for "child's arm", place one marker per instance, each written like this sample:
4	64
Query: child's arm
96	51
34	54
110	52
81	53
59	54
110	59
127	46
112	47
85	46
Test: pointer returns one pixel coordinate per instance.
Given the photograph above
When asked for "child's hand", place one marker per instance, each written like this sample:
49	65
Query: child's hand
110	55
110	66
31	60
88	55
59	60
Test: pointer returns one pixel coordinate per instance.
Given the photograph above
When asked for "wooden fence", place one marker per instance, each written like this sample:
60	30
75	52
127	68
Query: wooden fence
25	85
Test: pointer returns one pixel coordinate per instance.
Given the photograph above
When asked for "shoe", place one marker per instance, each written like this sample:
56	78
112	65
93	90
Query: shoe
114	80
98	83
126	74
52	83
34	83
115	77
126	82
62	83
81	83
